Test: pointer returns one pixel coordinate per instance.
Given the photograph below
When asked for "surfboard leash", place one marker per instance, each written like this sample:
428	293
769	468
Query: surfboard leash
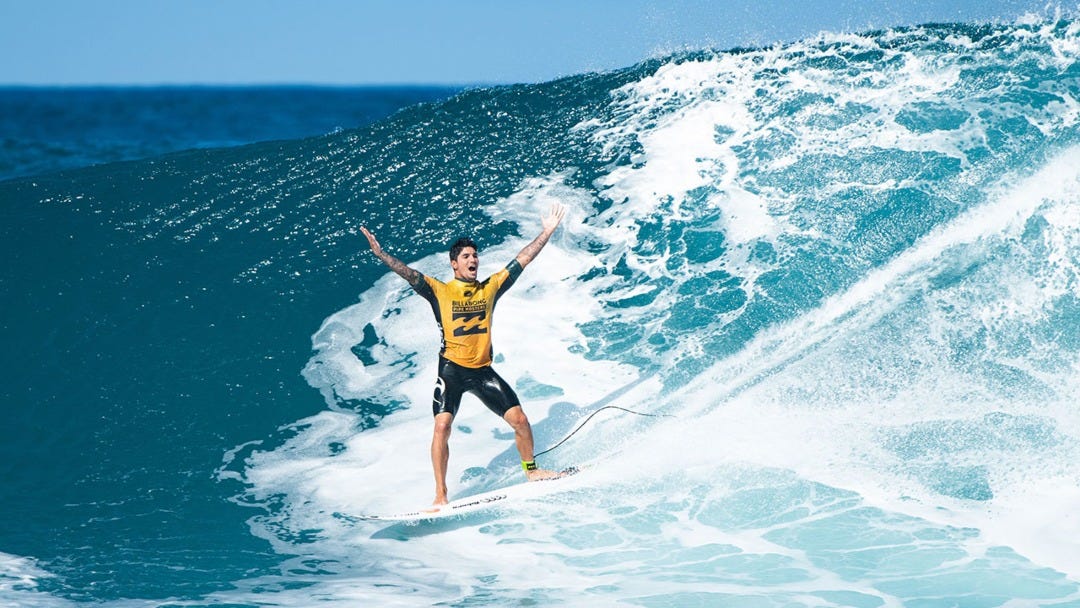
590	417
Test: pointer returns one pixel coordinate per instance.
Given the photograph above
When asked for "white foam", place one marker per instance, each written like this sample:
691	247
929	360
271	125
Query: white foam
819	395
20	579
887	287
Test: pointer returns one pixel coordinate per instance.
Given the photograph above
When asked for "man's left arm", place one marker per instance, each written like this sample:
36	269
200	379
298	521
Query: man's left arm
550	222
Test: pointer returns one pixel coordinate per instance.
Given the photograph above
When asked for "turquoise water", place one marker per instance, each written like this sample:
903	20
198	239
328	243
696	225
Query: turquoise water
845	269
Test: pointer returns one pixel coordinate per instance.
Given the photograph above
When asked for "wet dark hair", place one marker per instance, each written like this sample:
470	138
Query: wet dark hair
460	244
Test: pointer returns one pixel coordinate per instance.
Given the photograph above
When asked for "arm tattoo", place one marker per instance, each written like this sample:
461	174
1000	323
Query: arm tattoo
413	277
532	249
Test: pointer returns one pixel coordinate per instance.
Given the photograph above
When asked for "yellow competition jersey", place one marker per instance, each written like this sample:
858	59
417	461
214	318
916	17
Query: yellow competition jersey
464	312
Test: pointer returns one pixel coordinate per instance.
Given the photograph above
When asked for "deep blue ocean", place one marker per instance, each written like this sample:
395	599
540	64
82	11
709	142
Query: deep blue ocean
843	274
45	129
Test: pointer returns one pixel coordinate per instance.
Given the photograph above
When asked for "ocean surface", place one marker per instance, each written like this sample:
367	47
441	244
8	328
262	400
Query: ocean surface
45	129
842	274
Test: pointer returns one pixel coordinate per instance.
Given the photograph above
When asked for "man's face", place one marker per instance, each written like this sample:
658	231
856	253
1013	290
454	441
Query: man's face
466	264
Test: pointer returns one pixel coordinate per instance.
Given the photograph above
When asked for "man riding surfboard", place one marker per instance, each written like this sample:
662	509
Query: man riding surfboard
463	309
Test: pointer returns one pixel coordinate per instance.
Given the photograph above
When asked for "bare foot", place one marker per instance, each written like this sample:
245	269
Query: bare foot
542	474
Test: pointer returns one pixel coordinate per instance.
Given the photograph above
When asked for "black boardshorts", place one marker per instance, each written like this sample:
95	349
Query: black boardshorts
455	380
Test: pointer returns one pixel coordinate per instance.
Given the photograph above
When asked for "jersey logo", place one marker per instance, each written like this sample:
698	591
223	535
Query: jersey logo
465	318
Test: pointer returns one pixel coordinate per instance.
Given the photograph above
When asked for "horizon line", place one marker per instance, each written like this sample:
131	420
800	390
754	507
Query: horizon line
251	84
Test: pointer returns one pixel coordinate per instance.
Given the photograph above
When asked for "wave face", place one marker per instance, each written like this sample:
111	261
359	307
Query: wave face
842	274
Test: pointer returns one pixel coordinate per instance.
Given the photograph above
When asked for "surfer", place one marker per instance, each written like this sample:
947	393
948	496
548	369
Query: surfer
463	311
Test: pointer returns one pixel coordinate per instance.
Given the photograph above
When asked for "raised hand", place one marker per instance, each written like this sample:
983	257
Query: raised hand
551	220
373	242
411	275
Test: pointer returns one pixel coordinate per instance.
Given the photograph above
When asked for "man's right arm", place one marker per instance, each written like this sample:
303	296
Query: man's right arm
412	276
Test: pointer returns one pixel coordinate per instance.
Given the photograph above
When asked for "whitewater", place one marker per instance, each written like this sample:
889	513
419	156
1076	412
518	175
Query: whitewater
840	274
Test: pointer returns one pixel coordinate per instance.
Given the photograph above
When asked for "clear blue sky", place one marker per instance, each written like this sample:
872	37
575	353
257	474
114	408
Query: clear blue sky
413	41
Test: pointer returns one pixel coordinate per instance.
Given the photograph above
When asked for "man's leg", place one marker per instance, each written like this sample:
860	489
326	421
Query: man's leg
440	454
516	418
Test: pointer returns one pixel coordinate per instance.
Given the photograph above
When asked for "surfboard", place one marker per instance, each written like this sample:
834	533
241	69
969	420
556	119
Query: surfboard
478	502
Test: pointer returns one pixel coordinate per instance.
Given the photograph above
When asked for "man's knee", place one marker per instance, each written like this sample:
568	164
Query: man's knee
515	416
443	424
